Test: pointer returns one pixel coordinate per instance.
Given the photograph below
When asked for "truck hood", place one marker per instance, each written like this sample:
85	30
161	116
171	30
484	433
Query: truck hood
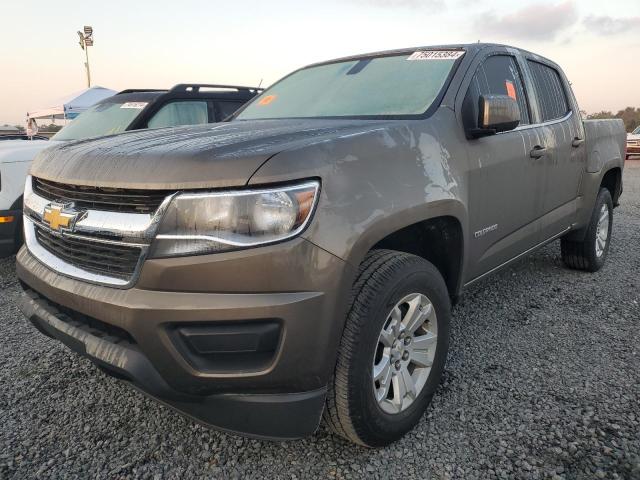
207	156
631	136
12	151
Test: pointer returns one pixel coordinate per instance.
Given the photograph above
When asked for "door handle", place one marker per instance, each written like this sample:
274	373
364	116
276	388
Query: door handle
538	151
577	142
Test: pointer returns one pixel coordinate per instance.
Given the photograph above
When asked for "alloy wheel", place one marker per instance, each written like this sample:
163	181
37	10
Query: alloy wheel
405	353
602	230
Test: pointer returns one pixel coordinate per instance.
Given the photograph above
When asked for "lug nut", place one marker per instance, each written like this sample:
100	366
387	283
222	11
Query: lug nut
405	355
402	335
397	365
407	340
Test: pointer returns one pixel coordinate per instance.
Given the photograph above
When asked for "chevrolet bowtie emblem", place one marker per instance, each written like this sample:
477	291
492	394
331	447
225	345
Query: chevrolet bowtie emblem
57	218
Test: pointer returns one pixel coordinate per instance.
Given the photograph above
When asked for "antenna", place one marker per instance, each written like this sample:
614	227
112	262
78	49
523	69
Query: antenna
260	84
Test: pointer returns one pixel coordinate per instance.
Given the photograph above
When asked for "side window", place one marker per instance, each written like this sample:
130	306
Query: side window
180	113
552	98
224	109
498	75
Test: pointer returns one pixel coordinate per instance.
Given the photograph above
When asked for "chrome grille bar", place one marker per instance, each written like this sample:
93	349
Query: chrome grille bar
101	198
104	247
107	259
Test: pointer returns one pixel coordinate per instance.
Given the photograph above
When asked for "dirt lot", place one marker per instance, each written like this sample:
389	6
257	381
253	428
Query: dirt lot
543	381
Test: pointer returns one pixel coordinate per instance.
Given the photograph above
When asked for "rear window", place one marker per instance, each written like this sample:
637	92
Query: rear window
396	85
226	108
552	98
191	112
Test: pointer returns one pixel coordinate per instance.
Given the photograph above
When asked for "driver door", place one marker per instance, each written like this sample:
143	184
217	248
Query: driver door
506	184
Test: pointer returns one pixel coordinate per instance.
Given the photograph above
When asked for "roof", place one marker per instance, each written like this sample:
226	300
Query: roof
472	48
184	91
72	105
134	96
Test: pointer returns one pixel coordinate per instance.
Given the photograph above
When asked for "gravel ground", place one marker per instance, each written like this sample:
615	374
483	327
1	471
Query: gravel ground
543	381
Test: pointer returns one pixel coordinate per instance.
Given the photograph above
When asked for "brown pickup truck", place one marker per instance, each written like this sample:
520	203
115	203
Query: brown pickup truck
301	259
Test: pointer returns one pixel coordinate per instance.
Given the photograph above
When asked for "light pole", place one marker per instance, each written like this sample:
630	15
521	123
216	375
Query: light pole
86	41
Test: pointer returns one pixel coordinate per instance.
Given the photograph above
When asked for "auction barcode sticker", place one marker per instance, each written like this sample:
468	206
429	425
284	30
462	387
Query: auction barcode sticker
436	55
137	105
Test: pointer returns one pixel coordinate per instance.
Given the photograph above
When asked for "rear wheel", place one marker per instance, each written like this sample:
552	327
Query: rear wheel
591	253
392	351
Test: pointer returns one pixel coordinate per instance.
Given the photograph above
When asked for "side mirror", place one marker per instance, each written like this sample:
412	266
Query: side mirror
497	113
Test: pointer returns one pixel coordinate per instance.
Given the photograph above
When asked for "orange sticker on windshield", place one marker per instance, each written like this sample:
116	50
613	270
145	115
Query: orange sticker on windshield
267	100
511	89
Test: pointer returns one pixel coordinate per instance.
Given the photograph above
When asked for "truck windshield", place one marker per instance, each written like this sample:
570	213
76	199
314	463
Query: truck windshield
393	85
636	131
101	119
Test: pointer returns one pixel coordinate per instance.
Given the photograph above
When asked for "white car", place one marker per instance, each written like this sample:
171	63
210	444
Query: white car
633	143
15	160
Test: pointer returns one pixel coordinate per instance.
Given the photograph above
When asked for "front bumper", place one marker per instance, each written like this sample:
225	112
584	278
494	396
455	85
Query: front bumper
134	334
8	232
281	416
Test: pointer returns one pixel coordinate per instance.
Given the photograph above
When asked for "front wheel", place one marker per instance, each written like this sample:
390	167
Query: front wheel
393	349
591	253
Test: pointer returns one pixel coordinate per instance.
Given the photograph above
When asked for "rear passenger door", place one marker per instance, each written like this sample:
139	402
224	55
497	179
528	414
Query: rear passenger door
505	183
563	131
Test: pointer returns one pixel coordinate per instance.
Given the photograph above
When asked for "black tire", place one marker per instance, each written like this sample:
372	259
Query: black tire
19	236
384	278
582	255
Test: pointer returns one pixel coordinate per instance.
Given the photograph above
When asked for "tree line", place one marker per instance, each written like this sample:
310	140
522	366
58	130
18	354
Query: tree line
630	116
52	127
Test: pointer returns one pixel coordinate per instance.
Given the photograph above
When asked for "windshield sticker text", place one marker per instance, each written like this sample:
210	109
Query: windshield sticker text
136	105
436	55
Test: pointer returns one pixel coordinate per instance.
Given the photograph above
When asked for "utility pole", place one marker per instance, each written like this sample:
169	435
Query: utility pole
86	41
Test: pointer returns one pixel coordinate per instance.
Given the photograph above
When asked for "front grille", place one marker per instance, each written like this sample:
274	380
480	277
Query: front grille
108	259
101	198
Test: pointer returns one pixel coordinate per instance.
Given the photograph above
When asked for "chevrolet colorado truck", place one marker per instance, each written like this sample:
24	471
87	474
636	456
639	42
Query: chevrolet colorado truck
184	104
300	261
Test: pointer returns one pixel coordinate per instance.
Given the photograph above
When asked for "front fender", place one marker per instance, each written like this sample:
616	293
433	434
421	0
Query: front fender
377	181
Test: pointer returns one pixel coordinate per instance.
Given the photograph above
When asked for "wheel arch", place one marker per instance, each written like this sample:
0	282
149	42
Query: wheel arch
612	181
17	204
435	232
609	177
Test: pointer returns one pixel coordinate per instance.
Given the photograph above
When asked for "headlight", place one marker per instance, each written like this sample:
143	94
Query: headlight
216	221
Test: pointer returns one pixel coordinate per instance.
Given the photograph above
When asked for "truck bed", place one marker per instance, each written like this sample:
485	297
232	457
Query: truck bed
606	141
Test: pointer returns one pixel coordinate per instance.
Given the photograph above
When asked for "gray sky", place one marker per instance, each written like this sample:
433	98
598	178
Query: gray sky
143	44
